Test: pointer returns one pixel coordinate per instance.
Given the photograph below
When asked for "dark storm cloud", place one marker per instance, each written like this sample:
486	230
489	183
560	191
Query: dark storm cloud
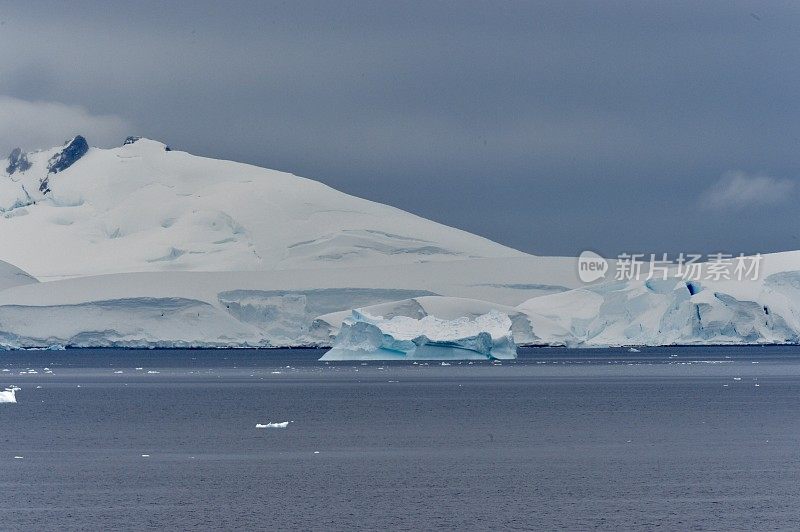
552	127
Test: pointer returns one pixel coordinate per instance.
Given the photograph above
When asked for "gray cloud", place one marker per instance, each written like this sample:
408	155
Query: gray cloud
32	125
549	126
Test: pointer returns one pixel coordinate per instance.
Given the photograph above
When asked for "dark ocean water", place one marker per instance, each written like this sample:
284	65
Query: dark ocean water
679	438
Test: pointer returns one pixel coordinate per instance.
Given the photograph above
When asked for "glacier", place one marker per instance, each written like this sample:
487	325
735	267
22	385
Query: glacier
242	309
367	337
145	246
674	311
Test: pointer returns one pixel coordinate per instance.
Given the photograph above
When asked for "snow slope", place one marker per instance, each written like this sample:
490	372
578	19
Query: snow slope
75	210
12	276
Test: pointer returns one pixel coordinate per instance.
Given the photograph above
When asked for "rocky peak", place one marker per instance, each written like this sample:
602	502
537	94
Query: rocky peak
73	150
17	162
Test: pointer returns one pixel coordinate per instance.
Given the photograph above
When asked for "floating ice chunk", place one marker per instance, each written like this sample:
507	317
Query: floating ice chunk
118	372
151	372
366	337
276	425
145	456
633	350
9	395
18	457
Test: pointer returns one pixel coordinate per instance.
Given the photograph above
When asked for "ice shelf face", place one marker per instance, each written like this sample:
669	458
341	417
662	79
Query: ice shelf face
674	311
366	337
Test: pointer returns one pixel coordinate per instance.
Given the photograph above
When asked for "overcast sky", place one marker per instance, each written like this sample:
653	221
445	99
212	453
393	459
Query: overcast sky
552	127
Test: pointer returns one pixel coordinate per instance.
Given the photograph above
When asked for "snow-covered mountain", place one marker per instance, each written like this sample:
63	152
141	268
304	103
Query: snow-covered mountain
75	210
142	246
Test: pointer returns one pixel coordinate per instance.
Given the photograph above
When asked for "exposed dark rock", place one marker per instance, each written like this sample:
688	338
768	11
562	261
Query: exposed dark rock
131	140
167	148
73	150
17	162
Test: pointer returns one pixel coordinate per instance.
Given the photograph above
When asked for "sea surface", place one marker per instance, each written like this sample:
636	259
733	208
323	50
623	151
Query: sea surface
676	439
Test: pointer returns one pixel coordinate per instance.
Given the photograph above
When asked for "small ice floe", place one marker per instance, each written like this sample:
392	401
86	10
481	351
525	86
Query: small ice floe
275	372
151	372
737	378
633	350
316	452
38	387
6	370
9	395
145	456
18	457
445	363
139	369
275	425
757	385
117	372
